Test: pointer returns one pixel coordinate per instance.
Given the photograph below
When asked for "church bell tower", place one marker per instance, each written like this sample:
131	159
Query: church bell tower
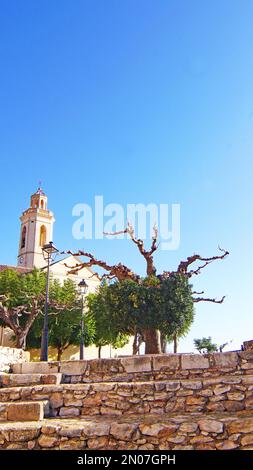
36	230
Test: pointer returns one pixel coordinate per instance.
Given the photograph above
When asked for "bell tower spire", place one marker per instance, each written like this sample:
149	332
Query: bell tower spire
36	230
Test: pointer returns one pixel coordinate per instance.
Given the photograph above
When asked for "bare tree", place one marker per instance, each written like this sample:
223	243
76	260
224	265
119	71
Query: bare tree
122	272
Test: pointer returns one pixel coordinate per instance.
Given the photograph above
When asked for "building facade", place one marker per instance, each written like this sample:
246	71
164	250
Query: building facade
36	230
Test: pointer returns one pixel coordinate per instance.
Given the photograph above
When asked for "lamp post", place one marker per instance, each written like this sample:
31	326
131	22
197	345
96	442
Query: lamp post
83	288
48	250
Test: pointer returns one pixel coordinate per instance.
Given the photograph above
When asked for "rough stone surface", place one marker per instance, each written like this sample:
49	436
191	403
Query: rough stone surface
36	368
241	426
159	402
47	441
29	411
190	361
171	361
73	367
209	425
227	359
136	364
123	431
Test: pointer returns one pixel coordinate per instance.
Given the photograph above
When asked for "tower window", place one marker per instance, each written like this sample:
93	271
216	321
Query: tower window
43	235
23	238
42	204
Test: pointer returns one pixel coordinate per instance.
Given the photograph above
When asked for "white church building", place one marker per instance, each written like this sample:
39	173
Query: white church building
37	230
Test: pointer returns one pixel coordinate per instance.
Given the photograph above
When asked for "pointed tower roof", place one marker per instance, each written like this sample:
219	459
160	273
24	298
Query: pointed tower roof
40	191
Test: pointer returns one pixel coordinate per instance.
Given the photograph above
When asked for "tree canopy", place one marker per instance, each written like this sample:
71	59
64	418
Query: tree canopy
127	307
151	307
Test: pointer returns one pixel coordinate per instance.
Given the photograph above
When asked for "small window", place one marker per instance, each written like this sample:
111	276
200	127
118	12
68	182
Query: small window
42	204
43	235
23	238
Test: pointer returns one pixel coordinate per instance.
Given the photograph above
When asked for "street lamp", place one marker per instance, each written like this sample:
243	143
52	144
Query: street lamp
83	288
49	252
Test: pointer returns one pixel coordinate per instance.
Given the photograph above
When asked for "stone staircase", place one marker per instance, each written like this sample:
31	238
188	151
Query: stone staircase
176	401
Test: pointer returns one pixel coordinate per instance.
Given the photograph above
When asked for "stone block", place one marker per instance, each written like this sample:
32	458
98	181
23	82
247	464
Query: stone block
246	355
248	345
73	367
136	364
172	386
36	368
243	425
46	441
51	379
226	359
170	361
23	435
70	412
194	361
26	411
18	380
247	440
192	384
233	405
158	429
226	445
93	429
211	425
103	387
237	396
123	431
98	443
70	431
188	427
220	389
72	444
56	400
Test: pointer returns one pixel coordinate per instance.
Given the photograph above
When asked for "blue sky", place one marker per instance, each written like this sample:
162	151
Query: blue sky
138	101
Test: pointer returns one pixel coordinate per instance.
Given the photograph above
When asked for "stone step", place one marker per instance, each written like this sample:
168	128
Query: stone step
217	394
184	432
24	411
17	380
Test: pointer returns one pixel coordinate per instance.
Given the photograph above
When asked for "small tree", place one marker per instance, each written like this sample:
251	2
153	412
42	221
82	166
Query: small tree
205	345
129	308
64	325
21	301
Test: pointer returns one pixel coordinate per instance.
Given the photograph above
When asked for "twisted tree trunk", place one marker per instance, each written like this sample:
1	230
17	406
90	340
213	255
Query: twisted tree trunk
152	341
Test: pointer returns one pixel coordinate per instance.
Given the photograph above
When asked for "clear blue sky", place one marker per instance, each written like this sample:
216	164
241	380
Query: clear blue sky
139	101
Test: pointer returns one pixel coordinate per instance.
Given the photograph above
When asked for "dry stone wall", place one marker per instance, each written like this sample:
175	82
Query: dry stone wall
175	433
174	401
144	368
220	394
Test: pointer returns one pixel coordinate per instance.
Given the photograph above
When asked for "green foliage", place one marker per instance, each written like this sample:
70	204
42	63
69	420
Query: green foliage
126	307
105	332
19	288
64	325
205	345
64	311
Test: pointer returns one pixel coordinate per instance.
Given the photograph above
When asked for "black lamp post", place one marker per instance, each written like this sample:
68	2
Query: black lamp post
83	288
49	252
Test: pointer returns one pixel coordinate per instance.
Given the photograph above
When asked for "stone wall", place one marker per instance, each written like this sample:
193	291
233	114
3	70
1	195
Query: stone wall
148	367
175	433
8	356
221	394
